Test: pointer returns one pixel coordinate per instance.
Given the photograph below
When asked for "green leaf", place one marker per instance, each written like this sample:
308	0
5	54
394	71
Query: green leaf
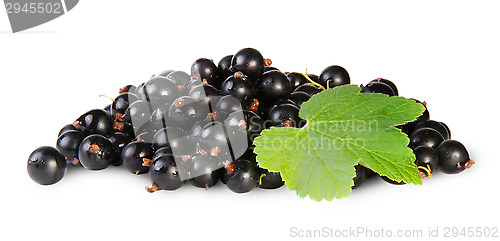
344	127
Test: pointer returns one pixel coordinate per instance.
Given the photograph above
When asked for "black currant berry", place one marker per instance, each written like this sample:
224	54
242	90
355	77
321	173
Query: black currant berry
241	176
95	121
119	141
95	152
309	89
240	88
273	86
388	180
270	68
181	79
269	180
360	176
166	150
120	105
246	122
208	178
313	77
426	160
68	127
453	157
46	165
378	87
224	67
286	115
164	174
213	140
127	89
206	94
299	97
137	157
185	111
333	76
166	72
296	79
250	62
425	137
138	113
206	70
225	106
68	144
438	126
389	83
447	129
160	91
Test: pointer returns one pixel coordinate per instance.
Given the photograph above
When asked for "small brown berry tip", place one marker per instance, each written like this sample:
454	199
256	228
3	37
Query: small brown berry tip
152	189
146	162
122	90
230	168
288	123
268	62
94	149
179	103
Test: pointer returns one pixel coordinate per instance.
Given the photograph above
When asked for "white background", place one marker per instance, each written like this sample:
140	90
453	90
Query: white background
446	53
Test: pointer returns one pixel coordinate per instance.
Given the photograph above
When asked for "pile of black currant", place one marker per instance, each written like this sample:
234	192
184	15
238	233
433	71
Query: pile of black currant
202	126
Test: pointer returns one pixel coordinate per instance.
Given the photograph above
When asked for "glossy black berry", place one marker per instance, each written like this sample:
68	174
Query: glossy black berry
120	105
241	176
453	157
240	88
68	144
313	77
310	89
438	126
185	111
119	141
160	91
166	72
95	152
68	127
296	79
136	156
166	150
46	165
273	86
225	106
426	160
299	97
213	140
360	176
269	180
206	70
206	94
224	67
164	174
285	115
95	121
270	68
333	76
388	180
244	122
378	87
447	129
389	83
138	113
425	137
249	61
181	79
207	178
127	89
